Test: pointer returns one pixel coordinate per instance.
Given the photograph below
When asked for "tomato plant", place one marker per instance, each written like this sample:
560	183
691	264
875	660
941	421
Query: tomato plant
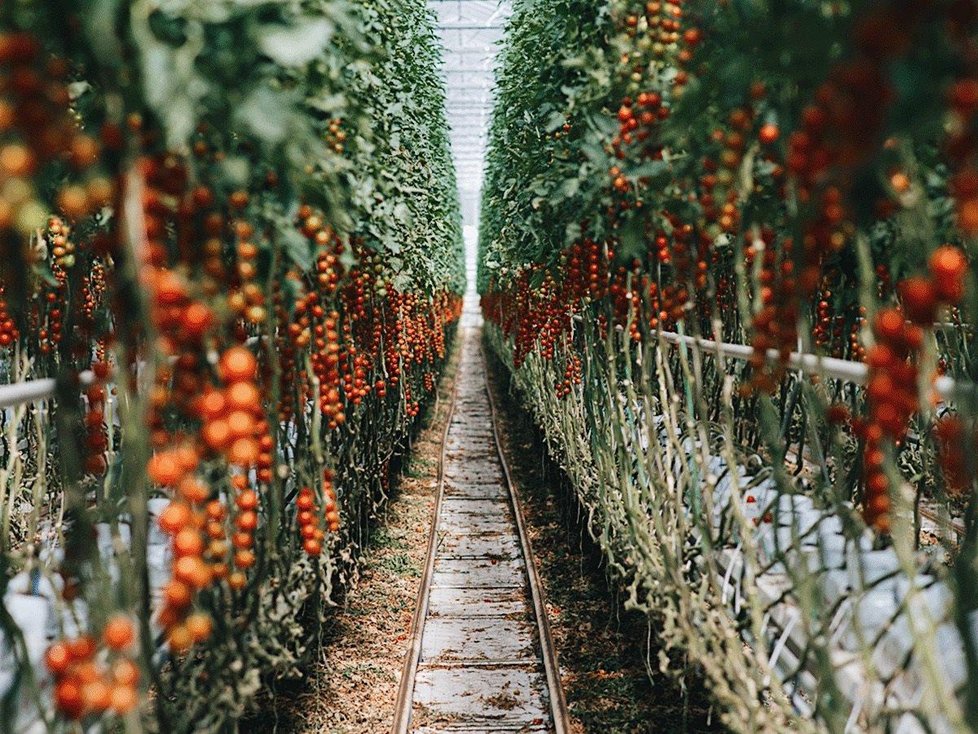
230	233
793	181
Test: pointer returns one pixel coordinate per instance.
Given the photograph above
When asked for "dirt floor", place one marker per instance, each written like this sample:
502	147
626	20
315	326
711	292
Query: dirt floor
601	648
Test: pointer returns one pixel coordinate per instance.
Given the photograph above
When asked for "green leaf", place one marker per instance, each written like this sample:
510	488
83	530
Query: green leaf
555	121
297	247
265	113
631	236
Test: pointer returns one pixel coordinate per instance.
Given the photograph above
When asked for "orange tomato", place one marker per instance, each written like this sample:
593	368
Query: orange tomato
243	396
165	469
68	699
215	510
215	530
197	320
175	517
247	500
237	364
200	626
58	658
177	594
97	695
217	434
193	490
241	424
125	673
244	559
179	638
188	457
243	452
123	699
949	266
769	133
168	617
81	648
119	632
188	542
212	405
192	571
247	521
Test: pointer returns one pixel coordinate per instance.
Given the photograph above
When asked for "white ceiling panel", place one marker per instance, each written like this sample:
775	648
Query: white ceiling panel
470	31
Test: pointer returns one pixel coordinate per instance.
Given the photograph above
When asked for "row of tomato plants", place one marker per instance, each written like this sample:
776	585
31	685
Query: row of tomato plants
792	176
237	221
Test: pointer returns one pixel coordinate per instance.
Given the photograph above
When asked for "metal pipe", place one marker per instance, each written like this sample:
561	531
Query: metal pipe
19	393
837	369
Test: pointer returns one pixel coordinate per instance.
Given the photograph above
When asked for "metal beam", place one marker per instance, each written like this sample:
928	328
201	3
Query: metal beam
19	393
469	27
812	364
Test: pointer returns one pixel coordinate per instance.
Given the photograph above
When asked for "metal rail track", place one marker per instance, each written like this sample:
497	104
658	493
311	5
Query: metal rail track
481	656
557	699
403	706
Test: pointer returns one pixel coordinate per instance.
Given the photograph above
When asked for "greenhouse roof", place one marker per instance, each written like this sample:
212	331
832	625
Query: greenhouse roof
470	31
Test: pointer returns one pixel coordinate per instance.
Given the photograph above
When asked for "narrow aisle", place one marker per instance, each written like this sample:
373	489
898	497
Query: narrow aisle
480	665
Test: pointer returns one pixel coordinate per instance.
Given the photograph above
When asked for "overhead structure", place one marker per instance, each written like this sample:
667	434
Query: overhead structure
470	31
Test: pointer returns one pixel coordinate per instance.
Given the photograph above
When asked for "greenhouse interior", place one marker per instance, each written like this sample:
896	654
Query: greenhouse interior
566	366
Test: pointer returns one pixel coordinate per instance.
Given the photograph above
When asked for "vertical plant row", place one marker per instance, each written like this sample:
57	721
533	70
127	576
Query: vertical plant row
727	253
230	238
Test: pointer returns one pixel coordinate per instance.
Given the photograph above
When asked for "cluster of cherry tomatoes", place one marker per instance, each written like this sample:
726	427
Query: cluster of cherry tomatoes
308	515
37	132
94	678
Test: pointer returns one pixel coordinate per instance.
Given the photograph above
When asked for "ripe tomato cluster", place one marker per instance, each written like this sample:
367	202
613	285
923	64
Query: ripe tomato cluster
39	132
8	329
891	397
92	678
309	515
775	325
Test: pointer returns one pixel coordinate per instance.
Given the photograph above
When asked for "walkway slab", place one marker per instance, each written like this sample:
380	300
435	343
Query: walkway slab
453	601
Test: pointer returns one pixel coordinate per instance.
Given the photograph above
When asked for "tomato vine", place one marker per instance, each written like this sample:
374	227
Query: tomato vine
792	177
230	232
